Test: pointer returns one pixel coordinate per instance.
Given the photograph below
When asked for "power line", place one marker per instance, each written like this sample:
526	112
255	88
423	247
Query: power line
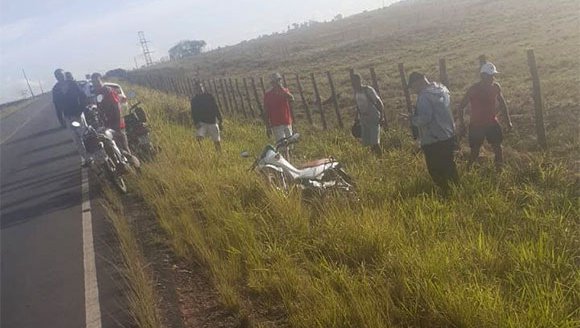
145	47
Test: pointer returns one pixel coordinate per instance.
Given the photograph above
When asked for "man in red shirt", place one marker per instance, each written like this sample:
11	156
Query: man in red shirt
110	107
484	98
277	110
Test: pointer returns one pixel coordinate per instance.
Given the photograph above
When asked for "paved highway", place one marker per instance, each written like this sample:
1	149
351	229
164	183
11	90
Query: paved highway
57	249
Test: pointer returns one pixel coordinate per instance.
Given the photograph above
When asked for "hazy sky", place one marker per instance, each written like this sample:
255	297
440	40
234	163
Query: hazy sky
85	36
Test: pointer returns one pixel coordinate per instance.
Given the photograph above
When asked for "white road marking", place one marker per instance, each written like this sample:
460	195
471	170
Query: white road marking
21	125
92	306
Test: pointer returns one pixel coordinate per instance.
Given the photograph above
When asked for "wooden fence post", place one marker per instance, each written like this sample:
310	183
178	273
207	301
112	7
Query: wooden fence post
538	102
443	77
304	102
225	96
248	97
233	95
241	98
290	103
318	101
334	99
258	102
216	94
262	85
407	99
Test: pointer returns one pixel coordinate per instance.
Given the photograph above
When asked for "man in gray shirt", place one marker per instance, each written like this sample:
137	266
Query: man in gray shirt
434	120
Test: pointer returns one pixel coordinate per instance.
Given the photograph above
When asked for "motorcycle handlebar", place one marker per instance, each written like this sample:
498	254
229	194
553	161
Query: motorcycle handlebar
135	106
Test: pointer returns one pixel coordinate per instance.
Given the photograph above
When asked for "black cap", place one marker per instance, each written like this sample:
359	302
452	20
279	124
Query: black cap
414	77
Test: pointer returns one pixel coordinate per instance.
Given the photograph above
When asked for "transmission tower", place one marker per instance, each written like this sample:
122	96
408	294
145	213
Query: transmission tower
146	52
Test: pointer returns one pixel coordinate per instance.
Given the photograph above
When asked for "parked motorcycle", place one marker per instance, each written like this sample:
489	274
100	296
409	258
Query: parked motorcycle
104	154
138	132
320	176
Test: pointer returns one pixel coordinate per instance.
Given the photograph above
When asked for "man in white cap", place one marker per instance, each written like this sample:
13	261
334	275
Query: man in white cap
277	110
484	98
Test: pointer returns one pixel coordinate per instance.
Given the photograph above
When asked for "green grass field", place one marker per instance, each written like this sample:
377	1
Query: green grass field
502	251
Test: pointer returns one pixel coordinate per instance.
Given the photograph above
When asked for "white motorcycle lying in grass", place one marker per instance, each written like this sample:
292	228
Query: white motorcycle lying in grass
103	153
321	176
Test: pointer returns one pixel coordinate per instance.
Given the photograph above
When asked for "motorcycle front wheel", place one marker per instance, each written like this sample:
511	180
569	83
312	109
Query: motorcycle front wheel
275	179
114	176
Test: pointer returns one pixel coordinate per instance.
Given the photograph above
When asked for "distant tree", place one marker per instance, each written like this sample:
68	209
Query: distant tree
338	17
186	48
116	73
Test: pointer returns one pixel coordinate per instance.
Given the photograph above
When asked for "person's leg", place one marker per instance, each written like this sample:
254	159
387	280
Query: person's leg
76	133
201	132
494	136
451	173
436	164
476	138
214	132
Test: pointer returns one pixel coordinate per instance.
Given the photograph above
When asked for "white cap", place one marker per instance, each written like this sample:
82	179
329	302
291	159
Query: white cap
489	69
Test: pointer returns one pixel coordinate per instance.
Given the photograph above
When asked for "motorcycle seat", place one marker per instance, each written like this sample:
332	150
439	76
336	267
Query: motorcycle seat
316	163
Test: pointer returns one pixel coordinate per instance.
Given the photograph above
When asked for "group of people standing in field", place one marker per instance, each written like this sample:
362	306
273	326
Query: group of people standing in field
432	118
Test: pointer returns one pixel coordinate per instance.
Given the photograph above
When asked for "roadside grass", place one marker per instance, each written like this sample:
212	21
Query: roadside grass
141	295
502	251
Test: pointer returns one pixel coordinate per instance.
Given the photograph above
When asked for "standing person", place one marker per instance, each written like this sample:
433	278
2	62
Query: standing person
277	110
110	108
68	76
58	96
206	116
370	114
484	98
69	102
434	120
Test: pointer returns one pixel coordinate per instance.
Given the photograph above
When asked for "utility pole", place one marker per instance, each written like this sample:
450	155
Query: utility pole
40	85
136	65
27	82
146	52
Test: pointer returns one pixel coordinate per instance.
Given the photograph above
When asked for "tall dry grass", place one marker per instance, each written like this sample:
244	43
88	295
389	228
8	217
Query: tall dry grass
502	251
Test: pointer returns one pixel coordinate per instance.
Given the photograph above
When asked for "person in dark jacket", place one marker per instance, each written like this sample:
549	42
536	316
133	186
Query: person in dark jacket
69	102
206	116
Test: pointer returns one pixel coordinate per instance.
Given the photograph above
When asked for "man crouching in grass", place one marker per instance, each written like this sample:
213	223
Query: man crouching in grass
434	120
206	116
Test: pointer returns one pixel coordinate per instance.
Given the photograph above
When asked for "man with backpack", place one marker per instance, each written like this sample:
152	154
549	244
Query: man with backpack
370	114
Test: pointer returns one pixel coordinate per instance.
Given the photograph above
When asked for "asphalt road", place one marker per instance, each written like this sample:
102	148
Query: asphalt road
47	276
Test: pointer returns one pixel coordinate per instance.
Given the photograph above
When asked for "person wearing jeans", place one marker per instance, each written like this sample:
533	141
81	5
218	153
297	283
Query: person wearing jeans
434	120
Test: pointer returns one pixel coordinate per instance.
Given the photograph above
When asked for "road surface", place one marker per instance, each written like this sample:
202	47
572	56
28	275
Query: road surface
57	249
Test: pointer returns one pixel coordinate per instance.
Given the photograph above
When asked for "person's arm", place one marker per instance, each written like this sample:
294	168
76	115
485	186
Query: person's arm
503	108
378	102
289	96
423	114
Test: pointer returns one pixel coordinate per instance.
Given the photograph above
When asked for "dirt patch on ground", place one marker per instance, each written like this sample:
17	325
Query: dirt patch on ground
186	295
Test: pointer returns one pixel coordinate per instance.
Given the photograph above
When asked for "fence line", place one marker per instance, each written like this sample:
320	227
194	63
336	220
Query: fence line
227	92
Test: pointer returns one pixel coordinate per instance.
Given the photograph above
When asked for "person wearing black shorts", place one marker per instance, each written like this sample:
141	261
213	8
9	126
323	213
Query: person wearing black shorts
484	98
